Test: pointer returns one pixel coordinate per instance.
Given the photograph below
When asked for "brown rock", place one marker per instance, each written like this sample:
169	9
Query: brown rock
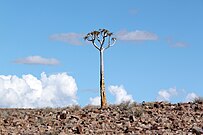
63	116
156	105
156	118
75	117
79	130
132	118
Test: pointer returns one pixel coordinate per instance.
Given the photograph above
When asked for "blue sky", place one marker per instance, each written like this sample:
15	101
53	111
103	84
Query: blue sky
158	54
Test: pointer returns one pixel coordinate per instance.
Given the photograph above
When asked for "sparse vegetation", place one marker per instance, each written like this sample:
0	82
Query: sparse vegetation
126	105
137	112
198	100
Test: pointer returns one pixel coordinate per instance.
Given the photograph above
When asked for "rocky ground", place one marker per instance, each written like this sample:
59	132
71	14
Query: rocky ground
147	118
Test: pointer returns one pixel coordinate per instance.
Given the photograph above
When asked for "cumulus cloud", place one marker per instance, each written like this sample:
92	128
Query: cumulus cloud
37	60
166	95
95	101
179	95
56	90
190	97
136	36
120	94
72	38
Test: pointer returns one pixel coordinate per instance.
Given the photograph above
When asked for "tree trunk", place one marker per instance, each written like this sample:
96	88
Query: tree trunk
102	84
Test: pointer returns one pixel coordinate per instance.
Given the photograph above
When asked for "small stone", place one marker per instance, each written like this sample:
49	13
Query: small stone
167	126
96	111
145	126
132	118
149	112
162	106
26	117
75	117
49	127
156	105
126	130
138	128
64	111
63	116
78	130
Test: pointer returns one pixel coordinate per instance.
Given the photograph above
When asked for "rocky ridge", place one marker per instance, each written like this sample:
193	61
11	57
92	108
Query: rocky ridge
159	118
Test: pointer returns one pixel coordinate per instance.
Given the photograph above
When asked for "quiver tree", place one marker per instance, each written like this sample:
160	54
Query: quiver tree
98	39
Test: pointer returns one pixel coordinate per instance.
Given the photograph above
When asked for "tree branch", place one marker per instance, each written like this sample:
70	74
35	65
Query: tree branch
89	37
99	40
95	45
100	36
102	42
110	44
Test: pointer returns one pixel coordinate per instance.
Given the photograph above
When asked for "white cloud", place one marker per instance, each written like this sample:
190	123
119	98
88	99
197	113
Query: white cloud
37	60
180	44
190	97
76	38
95	101
176	44
136	36
166	95
179	95
72	38
49	91
120	94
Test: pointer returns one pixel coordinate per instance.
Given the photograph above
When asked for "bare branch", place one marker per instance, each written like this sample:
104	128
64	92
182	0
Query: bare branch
89	37
99	40
111	43
100	36
103	40
95	45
